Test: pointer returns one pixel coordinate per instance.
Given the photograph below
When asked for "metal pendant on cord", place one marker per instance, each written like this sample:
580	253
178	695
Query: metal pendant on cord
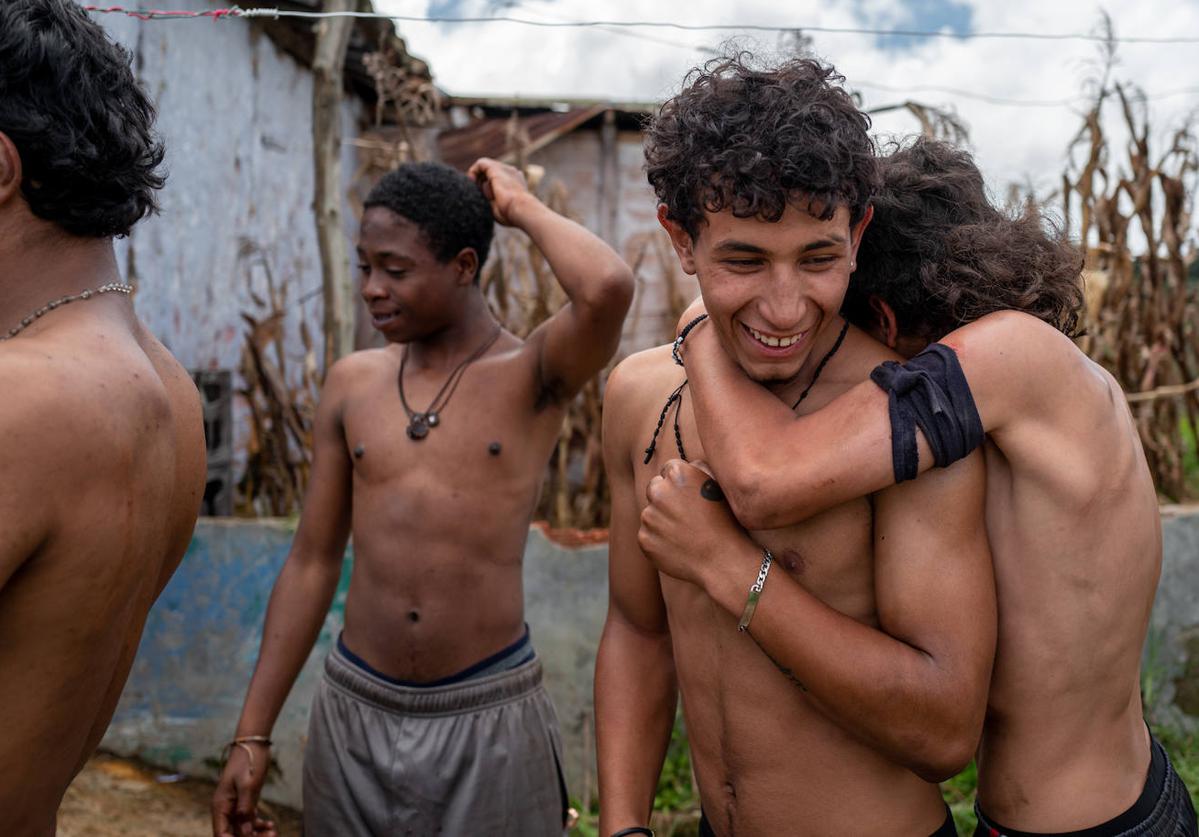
419	424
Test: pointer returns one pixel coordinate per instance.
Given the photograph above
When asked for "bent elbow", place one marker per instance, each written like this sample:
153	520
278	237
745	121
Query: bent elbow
612	291
945	753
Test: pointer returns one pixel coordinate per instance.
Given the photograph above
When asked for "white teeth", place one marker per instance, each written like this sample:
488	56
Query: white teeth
775	342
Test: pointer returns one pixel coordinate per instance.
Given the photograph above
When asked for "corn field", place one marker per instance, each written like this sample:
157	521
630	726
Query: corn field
1143	306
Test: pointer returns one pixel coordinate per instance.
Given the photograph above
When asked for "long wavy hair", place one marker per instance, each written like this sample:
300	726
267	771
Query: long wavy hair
942	255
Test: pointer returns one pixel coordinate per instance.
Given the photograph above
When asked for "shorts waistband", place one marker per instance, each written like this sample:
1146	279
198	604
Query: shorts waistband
1138	813
451	699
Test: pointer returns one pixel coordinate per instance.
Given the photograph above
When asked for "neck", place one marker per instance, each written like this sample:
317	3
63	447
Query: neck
445	348
43	265
826	338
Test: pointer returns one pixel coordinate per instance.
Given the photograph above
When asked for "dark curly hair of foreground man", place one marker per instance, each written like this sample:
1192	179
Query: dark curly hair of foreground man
102	448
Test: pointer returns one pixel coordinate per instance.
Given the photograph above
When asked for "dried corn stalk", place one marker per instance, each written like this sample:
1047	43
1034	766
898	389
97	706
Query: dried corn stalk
1143	317
279	448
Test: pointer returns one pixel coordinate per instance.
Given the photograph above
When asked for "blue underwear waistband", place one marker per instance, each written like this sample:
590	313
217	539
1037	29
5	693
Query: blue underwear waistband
516	654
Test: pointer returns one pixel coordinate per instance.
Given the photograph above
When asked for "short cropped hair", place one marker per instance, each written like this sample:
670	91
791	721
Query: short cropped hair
83	126
754	140
942	255
446	205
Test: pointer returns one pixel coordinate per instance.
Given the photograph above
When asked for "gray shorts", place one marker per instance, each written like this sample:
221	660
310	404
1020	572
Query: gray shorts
481	757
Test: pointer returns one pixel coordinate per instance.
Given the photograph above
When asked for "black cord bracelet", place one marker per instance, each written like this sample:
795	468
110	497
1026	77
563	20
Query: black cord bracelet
637	829
678	344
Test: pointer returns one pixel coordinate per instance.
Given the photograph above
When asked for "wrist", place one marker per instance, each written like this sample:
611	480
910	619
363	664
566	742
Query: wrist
727	577
524	208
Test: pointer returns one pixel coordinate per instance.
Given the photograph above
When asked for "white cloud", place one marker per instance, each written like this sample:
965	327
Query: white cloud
1010	143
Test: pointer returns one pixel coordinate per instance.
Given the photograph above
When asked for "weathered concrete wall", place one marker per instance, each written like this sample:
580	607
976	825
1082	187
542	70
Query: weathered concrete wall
1170	671
188	682
235	114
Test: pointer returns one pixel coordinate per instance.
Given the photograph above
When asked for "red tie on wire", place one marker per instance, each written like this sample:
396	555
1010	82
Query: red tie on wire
154	14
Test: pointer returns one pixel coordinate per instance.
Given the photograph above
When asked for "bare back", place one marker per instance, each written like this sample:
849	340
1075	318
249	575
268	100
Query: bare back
440	524
1073	523
109	445
765	756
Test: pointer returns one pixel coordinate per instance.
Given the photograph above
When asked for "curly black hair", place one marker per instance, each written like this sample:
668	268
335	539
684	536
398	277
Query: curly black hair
942	255
82	124
753	140
447	206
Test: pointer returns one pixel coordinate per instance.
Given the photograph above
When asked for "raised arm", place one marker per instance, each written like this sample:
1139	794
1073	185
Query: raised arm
635	689
777	468
914	687
579	340
297	608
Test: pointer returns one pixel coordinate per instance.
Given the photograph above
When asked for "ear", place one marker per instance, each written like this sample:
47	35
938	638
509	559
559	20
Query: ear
467	265
680	239
10	169
855	235
885	327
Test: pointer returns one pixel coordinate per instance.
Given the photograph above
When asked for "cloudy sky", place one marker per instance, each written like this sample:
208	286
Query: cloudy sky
1012	142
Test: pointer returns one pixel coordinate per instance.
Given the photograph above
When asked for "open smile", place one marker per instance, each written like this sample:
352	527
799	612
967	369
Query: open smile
778	345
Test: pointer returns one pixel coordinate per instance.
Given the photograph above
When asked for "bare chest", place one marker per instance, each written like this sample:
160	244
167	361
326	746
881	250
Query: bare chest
488	438
830	554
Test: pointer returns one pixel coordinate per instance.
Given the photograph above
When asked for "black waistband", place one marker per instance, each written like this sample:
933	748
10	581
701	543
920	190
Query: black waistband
1137	814
513	655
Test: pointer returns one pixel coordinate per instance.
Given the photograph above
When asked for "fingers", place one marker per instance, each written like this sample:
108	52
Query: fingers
222	809
246	808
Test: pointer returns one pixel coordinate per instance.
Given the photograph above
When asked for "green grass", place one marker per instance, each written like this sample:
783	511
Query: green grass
676	806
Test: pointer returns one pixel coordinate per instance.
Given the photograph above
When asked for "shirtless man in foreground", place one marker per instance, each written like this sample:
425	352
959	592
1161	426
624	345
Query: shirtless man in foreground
862	678
101	437
431	718
1071	512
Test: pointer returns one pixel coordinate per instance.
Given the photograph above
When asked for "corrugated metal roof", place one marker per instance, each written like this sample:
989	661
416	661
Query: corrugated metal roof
489	136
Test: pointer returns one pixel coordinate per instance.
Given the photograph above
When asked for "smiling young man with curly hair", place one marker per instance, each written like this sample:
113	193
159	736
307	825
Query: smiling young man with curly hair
101	439
764	177
1071	510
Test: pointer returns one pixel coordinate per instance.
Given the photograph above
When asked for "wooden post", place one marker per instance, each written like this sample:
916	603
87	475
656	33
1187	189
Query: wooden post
332	39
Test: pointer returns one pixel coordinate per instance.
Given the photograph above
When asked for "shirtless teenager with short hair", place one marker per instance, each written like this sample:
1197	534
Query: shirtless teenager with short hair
431	718
862	678
1071	509
101	435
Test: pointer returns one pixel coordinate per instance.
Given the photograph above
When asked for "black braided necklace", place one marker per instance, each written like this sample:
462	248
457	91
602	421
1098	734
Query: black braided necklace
676	397
419	424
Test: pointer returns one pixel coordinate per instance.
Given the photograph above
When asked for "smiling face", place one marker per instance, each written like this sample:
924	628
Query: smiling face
771	288
410	294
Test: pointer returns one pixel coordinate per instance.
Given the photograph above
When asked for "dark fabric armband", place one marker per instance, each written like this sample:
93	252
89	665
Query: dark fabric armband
929	392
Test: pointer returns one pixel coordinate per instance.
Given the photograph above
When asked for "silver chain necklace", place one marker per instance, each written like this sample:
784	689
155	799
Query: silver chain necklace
111	287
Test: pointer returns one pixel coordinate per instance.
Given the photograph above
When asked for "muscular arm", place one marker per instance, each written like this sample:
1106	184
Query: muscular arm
579	340
308	580
915	686
778	468
635	688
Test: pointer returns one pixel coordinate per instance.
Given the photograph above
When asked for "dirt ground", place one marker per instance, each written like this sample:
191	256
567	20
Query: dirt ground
119	798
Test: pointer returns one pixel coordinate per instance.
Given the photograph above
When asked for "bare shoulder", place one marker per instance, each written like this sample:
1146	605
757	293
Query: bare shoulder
1019	367
640	379
636	389
358	369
